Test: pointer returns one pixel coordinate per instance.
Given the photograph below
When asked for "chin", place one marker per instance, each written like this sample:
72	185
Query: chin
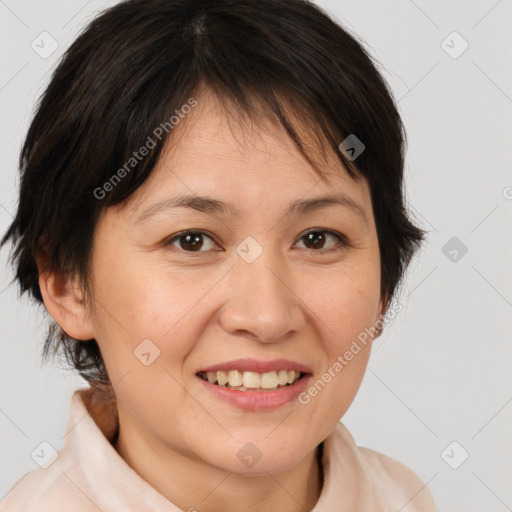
258	458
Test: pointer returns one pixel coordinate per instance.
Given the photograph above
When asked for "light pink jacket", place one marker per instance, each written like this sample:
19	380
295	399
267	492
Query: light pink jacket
88	474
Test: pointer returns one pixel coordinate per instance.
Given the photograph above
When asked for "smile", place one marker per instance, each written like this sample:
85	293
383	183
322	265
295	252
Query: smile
248	381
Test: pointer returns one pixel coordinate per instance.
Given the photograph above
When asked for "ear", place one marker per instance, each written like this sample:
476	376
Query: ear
63	300
381	311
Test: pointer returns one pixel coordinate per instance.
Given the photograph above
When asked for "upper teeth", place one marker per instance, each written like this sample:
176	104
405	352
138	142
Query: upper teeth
268	380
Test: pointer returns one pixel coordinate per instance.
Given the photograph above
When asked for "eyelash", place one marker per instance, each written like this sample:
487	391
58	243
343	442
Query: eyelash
342	239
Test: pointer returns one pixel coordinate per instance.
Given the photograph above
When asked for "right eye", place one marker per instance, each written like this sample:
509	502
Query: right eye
189	241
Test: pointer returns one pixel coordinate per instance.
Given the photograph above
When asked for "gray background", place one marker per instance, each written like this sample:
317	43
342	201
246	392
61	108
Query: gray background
441	372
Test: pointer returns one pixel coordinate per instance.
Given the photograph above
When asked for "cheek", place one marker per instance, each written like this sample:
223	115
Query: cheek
350	312
138	302
345	301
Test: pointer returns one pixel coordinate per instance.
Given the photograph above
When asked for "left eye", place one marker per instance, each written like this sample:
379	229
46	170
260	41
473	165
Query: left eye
318	237
192	241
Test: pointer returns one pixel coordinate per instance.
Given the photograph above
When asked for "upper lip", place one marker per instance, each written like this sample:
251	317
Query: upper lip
255	365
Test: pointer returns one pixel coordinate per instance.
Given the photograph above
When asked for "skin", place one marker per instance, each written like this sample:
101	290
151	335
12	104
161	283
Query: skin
208	306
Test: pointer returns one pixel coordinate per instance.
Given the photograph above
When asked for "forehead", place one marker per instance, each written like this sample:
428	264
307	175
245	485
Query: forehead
219	153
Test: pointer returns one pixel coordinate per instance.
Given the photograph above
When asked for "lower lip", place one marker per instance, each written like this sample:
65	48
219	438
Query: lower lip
256	401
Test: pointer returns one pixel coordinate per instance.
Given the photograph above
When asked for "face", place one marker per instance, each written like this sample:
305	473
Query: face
253	287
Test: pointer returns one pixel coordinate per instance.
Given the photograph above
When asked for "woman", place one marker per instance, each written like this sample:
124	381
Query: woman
211	211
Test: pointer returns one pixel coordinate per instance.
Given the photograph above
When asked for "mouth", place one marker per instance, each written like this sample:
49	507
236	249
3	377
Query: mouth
255	386
250	381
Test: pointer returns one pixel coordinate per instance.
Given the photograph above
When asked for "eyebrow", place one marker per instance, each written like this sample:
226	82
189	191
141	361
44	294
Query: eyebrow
213	206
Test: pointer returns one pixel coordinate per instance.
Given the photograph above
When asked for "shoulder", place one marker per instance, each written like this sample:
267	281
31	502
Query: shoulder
50	488
46	490
401	476
390	480
67	478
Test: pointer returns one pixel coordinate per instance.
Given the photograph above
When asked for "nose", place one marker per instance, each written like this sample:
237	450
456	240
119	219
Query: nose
262	303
